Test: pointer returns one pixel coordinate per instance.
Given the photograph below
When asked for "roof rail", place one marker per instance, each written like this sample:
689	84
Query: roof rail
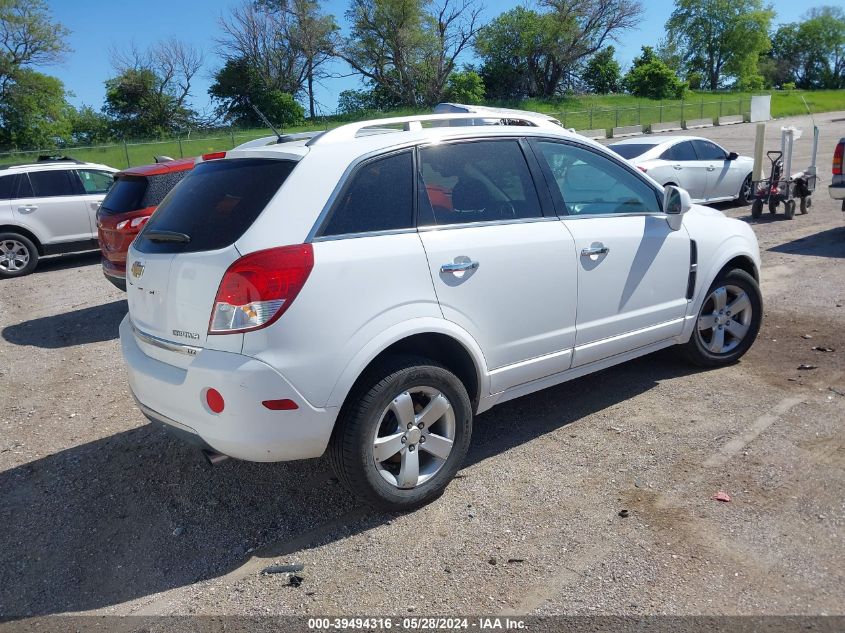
274	140
414	123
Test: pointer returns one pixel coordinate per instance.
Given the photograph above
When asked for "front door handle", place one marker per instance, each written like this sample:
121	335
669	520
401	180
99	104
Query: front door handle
29	208
678	167
459	267
593	251
710	168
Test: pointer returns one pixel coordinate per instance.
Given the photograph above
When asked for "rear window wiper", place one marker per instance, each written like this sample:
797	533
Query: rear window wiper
167	236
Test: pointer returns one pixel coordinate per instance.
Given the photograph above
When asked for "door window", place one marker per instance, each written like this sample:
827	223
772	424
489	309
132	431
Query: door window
679	152
7	184
592	184
475	182
95	181
379	197
48	184
709	151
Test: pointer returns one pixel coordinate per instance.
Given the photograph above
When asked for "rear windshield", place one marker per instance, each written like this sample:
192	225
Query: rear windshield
130	193
215	204
631	150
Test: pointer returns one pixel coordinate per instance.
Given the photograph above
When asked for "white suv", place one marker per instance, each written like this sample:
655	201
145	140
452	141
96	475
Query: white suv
47	208
368	291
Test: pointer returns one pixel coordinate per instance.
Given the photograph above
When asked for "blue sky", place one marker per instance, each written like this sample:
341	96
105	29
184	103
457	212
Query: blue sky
98	24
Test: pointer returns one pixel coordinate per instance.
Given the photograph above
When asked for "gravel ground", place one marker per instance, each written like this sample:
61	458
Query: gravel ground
103	513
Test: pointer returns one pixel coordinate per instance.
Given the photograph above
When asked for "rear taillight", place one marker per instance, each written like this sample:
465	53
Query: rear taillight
134	223
837	158
258	288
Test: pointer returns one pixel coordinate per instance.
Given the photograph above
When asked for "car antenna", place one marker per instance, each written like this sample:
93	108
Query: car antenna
266	121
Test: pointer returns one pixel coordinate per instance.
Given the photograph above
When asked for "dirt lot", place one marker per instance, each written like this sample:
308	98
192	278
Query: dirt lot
103	513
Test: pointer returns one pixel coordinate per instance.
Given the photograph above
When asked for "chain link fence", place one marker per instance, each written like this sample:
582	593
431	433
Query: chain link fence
128	153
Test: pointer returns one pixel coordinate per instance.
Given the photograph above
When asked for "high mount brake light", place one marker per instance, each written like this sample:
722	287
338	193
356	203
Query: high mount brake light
214	155
258	288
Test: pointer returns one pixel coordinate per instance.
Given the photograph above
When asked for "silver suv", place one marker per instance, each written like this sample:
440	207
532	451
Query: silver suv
47	208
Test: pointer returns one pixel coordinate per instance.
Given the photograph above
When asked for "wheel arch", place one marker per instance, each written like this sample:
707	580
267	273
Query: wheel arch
743	262
13	228
455	351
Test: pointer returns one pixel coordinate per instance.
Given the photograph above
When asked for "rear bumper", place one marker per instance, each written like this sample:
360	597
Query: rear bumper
245	429
837	192
115	274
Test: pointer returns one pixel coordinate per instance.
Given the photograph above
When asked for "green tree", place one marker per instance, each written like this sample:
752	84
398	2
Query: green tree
721	38
465	86
286	43
28	37
150	94
238	85
409	48
603	74
650	77
539	53
811	52
33	112
87	126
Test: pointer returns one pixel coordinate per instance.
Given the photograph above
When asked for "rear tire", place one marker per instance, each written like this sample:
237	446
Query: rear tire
18	255
728	321
773	206
379	457
757	209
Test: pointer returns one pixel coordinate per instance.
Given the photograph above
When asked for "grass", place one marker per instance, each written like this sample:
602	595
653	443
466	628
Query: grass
582	112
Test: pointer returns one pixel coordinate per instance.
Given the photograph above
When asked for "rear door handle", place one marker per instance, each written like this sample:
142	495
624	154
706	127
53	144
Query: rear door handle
459	267
592	251
677	167
710	168
29	208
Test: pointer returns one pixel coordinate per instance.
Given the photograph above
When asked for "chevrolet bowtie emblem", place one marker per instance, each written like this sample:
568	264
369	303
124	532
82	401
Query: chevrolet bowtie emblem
137	270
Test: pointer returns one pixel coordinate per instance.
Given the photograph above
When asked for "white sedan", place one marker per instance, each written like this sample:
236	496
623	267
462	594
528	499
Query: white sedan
706	170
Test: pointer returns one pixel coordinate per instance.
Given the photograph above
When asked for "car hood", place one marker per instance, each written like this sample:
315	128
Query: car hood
700	209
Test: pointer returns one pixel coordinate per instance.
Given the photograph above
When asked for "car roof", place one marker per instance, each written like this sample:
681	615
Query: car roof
354	140
155	169
657	140
52	165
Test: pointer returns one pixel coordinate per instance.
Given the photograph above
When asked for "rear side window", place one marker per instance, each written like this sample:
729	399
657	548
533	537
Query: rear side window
680	151
215	204
6	187
131	193
95	181
49	184
631	150
481	181
708	151
379	197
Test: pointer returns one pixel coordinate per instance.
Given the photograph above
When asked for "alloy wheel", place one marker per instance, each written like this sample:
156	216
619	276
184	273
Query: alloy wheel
14	256
414	437
725	319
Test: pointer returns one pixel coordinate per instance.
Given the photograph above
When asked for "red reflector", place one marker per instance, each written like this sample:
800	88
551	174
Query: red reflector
214	155
280	405
214	400
837	159
642	169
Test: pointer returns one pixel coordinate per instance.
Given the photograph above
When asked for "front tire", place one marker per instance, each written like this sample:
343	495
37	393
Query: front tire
789	209
402	434
757	209
18	255
745	196
728	321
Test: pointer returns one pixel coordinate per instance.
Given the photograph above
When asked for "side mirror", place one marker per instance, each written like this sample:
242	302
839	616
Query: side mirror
733	156
676	202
